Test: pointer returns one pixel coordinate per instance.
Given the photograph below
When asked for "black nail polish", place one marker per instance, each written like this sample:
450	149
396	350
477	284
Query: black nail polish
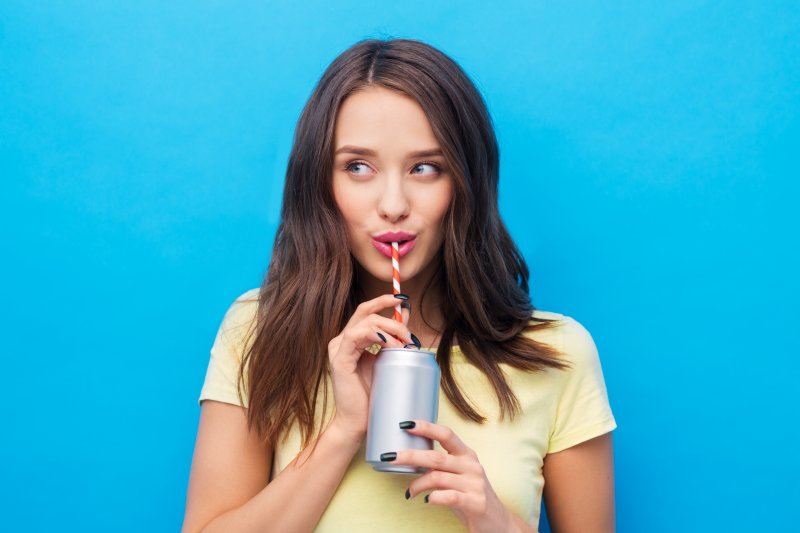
401	296
426	498
388	456
380	335
408	493
405	305
415	340
408	424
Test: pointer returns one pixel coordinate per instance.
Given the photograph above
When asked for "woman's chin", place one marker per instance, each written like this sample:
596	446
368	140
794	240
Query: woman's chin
381	271
382	275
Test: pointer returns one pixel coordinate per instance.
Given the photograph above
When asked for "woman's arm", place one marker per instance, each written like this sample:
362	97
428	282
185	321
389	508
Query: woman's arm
228	488
579	487
229	465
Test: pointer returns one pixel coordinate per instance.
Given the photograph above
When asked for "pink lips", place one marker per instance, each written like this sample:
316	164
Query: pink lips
383	242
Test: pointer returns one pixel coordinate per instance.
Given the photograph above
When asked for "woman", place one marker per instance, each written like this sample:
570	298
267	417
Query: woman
395	138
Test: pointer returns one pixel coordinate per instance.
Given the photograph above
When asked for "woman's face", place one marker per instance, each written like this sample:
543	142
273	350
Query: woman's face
389	176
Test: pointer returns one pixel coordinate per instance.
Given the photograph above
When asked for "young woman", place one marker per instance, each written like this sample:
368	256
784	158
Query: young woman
396	138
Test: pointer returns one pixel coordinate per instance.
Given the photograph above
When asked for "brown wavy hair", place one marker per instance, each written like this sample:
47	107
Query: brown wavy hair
310	289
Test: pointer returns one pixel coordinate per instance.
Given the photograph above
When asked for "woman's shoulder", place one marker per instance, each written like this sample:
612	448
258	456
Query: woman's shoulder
582	410
243	308
248	296
237	324
565	333
245	300
546	315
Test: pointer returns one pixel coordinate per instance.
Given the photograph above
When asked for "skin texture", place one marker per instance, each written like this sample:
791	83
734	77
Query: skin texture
376	193
392	191
579	487
388	190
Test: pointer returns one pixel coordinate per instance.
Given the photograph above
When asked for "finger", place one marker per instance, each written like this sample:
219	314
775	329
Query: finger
373	306
362	336
405	311
439	480
429	459
443	434
387	340
395	328
448	498
333	346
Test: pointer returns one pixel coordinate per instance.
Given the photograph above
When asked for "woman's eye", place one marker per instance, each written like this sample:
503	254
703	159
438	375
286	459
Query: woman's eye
355	167
433	166
360	168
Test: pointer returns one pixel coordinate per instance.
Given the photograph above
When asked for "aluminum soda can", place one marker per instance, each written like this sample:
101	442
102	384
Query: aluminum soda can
405	386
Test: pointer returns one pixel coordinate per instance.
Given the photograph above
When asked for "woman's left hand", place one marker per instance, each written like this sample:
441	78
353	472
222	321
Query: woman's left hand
457	480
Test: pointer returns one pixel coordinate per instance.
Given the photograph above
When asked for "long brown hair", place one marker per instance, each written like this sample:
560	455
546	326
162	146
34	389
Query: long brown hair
309	291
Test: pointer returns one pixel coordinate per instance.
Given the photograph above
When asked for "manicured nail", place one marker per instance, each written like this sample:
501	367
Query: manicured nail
415	340
408	493
401	296
426	498
380	335
405	305
388	456
408	424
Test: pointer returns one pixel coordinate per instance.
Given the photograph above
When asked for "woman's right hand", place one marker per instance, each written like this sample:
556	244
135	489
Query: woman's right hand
351	365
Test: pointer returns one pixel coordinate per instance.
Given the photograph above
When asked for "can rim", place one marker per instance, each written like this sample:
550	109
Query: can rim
408	350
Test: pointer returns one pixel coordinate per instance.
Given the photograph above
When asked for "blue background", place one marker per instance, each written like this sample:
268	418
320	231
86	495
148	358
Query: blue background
649	174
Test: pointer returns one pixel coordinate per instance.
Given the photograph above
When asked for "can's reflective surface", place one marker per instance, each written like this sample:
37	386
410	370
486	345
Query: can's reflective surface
405	386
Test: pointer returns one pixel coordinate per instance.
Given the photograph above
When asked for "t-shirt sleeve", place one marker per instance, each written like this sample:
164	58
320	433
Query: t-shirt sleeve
583	410
228	350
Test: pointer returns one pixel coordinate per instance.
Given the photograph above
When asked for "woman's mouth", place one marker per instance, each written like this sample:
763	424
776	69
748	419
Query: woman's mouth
385	248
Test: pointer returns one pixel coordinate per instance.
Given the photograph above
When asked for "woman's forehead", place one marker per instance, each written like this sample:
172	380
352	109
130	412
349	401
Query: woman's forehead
380	120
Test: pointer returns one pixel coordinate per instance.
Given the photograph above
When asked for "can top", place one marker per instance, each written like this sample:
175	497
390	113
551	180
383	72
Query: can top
406	356
407	350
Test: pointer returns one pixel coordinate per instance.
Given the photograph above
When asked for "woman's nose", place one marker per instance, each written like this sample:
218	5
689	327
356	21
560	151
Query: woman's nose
393	204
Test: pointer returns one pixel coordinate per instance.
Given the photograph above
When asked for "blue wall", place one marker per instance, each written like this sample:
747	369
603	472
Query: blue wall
648	175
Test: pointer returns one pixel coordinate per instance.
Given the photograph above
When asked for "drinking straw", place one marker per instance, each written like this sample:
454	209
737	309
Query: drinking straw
398	315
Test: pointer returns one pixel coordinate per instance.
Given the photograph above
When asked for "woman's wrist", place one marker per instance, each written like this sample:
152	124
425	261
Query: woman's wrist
345	435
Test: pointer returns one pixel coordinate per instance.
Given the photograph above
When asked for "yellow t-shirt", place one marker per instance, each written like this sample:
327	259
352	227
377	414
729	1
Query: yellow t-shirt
559	409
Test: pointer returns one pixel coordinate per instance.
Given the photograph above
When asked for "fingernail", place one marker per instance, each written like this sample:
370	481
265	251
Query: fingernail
426	498
408	493
380	335
415	340
401	296
388	456
405	305
408	424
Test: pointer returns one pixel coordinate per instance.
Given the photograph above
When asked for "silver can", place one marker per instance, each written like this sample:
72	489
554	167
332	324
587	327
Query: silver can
405	386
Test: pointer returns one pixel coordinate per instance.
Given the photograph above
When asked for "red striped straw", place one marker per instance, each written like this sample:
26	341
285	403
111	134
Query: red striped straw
398	315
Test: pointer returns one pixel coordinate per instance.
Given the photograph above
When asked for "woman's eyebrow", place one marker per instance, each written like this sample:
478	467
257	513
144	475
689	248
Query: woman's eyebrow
350	149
